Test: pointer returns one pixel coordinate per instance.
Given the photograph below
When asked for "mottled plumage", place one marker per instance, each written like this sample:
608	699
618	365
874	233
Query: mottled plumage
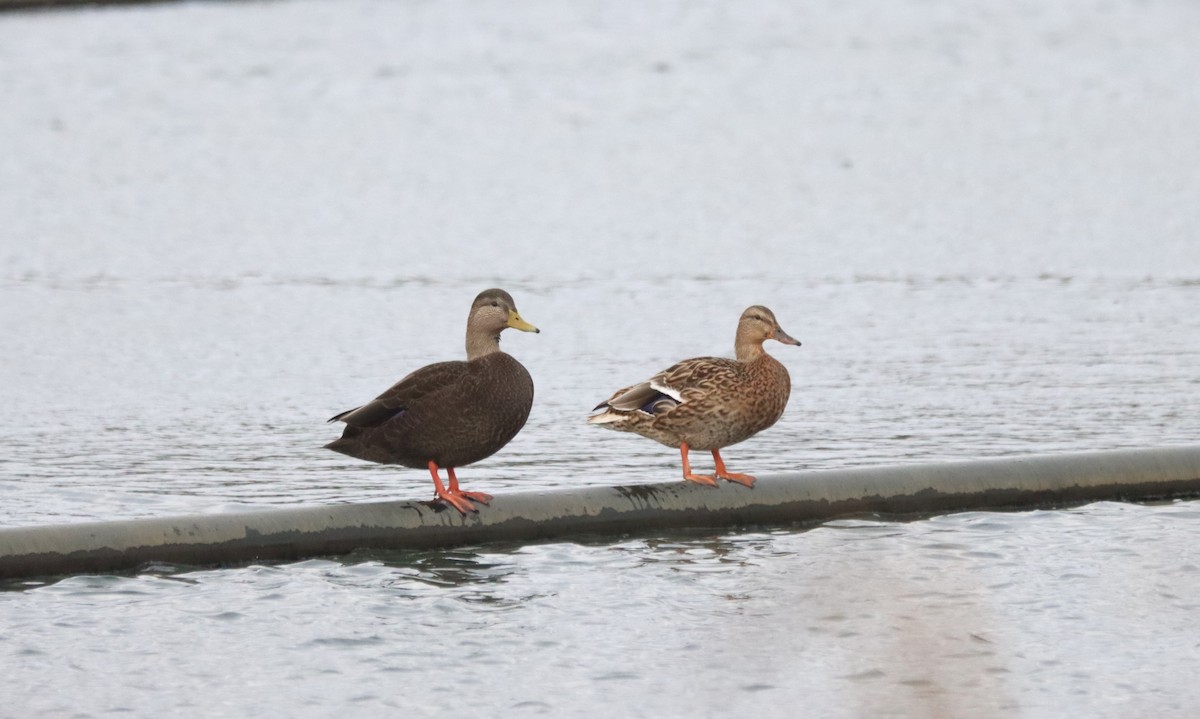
708	402
449	414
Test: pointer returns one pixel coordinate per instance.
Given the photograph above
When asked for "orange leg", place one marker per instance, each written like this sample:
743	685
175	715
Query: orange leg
687	469
723	473
459	503
480	497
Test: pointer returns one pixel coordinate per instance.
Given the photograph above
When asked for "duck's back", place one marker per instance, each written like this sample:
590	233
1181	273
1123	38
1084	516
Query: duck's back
451	413
725	402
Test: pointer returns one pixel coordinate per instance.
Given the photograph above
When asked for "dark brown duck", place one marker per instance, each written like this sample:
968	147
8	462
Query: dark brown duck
449	414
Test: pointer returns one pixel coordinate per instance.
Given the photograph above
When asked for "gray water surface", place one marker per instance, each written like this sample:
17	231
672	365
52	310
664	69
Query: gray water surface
222	223
1089	611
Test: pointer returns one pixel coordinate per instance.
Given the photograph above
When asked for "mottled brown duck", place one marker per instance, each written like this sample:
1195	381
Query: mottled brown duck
449	414
709	403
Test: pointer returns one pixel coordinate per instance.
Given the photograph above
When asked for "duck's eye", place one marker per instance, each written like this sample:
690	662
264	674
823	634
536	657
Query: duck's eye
495	304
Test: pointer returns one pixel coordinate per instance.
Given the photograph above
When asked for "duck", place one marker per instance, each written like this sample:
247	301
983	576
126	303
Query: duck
449	414
709	403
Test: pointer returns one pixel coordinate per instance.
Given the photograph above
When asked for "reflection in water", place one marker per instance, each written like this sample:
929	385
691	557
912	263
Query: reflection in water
467	572
919	637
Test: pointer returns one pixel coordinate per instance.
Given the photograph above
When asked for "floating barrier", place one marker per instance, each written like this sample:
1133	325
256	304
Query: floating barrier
783	499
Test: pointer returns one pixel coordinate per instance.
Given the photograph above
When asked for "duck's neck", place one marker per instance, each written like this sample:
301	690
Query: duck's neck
747	344
748	350
481	343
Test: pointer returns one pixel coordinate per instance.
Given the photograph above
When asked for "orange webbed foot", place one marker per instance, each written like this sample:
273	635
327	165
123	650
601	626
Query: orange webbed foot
460	503
743	479
454	496
705	479
481	497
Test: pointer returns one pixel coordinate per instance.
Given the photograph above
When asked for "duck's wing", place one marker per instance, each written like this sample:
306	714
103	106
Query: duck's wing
679	383
423	384
698	377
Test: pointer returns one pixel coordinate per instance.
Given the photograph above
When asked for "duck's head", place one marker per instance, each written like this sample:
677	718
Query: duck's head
492	312
757	325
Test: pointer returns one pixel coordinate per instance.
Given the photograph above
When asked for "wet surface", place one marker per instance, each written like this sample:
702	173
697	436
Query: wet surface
974	614
225	222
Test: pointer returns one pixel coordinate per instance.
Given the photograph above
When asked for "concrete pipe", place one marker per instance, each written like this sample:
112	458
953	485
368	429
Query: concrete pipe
918	489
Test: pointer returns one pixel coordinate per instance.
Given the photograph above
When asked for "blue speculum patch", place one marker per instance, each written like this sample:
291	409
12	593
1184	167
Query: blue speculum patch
661	403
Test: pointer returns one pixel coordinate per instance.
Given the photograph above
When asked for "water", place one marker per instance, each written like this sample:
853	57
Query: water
1086	611
222	223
